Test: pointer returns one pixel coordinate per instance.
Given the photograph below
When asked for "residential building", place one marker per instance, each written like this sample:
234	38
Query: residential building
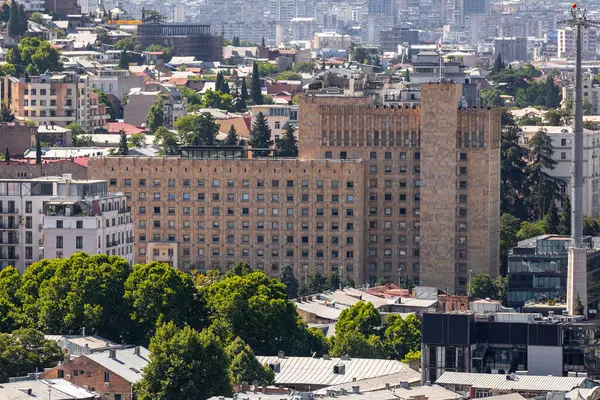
391	38
372	191
497	343
140	101
112	374
115	82
567	42
62	7
311	373
562	139
379	7
591	93
331	40
100	224
371	28
278	117
537	270
303	28
511	49
22	206
77	345
17	137
55	389
34	5
528	386
186	39
18	169
57	99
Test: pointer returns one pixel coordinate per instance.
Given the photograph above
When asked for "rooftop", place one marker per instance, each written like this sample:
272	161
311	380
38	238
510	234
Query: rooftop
430	392
126	363
56	389
519	383
320	371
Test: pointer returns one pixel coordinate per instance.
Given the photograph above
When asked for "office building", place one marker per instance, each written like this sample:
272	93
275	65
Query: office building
100	224
537	271
567	42
389	39
24	204
186	39
379	7
493	341
511	49
57	99
373	192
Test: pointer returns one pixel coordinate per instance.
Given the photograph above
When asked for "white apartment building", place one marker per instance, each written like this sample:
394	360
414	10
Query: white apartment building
591	93
99	224
562	140
566	43
34	5
116	82
22	207
303	28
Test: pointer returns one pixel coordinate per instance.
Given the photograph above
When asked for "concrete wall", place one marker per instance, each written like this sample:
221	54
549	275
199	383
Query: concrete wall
16	137
17	170
545	360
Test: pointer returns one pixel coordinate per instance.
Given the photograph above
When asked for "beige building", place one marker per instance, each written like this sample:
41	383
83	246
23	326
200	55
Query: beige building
376	192
141	99
278	117
57	99
567	41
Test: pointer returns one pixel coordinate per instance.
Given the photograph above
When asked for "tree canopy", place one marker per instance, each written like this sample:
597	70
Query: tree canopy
260	136
156	115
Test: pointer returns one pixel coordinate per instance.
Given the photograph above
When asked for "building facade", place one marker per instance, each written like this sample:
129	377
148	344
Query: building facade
186	39
567	41
95	225
141	99
391	38
56	100
511	49
373	193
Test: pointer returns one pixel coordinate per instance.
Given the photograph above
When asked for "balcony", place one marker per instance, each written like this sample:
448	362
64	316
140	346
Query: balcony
9	211
130	239
10	240
6	225
112	243
9	256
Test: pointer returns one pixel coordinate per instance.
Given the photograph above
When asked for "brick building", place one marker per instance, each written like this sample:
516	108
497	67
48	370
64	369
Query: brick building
112	374
27	168
377	192
17	137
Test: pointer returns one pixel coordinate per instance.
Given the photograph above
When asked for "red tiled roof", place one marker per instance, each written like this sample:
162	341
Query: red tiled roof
116	127
83	161
178	81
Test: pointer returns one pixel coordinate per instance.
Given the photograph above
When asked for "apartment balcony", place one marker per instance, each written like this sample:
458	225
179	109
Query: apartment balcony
9	256
9	210
112	243
11	240
130	239
6	225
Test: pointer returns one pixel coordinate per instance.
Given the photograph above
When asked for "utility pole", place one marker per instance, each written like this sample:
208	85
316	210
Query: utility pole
577	287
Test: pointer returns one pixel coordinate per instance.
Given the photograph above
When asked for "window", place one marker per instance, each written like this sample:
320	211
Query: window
563	142
28	207
59	224
373	155
79	242
113	182
106	376
563	156
59	242
79	224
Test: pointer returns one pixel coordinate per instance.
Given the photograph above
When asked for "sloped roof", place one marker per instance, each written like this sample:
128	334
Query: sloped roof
520	383
60	389
319	371
126	364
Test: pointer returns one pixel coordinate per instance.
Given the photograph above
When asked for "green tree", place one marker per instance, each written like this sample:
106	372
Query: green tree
498	65
513	182
6	154
407	75
216	99
123	145
167	51
137	140
5	12
552	220
192	96
588	107
256	86
127	44
184	364
124	60
412	357
361	317
491	98
197	129
61	296
260	136
357	345
10	304
102	36
289	76
219	82
38	55
38	149
306	67
156	115
287	146
509	226
244	367
232	136
483	286
14	27
287	277
157	293
402	335
544	188
262	42
259	311
590	226
557	117
167	141
564	226
26	350
6	115
79	135
579	308
244	93
530	229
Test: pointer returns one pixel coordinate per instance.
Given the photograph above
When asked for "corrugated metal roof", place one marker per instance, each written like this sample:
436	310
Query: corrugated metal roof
521	382
127	364
371	384
433	392
584	393
319	372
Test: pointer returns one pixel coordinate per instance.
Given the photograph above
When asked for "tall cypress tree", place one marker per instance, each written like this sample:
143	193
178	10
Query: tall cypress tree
219	82
257	98
23	26
38	149
498	65
123	146
244	92
287	146
232	136
260	136
6	154
262	43
124	60
14	28
564	228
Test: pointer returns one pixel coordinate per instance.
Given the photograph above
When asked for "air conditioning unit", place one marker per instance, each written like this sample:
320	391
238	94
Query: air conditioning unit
107	384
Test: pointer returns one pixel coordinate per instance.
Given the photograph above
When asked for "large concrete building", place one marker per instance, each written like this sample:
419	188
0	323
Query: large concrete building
25	204
567	42
377	192
186	39
511	49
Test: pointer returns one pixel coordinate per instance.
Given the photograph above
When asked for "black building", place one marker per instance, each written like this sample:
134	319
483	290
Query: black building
186	39
501	343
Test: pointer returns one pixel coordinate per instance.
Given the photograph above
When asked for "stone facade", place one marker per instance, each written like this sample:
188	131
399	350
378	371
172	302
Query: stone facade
28	169
377	192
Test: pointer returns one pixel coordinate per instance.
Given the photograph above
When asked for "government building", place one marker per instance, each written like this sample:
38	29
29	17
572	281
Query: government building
376	192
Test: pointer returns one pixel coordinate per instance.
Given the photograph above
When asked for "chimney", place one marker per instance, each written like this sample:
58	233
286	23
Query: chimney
112	353
280	354
356	389
136	350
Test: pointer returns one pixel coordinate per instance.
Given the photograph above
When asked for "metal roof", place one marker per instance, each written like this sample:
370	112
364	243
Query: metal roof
57	389
319	371
433	392
520	383
371	384
126	364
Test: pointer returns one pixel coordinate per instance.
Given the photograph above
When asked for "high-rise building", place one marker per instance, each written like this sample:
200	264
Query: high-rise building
56	216
567	42
511	49
377	192
389	39
186	39
379	7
